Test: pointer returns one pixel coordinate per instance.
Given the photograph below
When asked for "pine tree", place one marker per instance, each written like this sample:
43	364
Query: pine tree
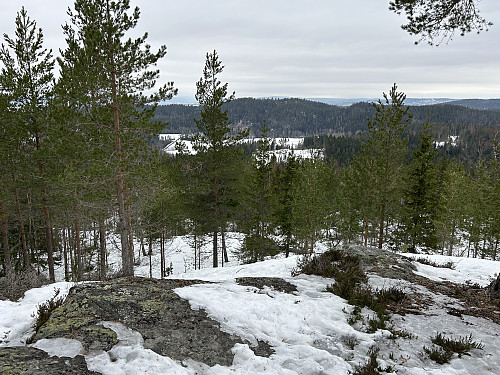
386	147
215	149
27	81
106	75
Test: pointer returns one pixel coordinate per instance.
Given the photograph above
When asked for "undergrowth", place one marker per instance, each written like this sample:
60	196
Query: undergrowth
44	310
14	286
445	347
371	366
349	278
429	262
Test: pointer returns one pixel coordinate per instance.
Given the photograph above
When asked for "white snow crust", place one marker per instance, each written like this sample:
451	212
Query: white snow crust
308	330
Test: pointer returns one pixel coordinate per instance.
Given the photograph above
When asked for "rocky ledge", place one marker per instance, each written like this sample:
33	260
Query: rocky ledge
166	322
31	361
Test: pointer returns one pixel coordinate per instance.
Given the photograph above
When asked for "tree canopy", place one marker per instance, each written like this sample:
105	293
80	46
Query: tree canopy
436	21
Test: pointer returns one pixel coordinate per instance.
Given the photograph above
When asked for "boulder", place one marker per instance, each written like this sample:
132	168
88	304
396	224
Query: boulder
149	306
493	289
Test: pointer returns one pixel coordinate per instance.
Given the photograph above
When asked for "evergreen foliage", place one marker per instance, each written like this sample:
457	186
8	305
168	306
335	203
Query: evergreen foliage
77	164
439	20
384	151
259	203
112	73
26	83
421	202
216	152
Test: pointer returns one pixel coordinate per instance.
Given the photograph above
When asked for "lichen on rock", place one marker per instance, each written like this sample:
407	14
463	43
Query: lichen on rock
275	283
32	361
166	322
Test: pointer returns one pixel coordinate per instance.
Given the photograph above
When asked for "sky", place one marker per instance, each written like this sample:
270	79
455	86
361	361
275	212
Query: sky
298	48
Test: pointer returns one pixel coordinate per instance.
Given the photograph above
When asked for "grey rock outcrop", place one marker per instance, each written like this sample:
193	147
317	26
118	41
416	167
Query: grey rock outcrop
32	361
493	289
166	322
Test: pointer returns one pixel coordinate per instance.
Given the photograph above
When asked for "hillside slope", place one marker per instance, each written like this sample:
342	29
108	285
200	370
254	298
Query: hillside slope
300	117
308	329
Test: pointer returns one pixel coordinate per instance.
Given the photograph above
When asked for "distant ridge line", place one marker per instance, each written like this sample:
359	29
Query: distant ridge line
483	104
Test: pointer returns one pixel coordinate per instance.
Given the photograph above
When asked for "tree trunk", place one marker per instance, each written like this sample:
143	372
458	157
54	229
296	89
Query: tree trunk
48	232
382	219
48	237
129	226
102	250
78	248
195	250
26	255
127	262
215	254
150	254
143	247
65	255
452	238
71	253
224	248
5	243
287	246
199	256
366	232
162	255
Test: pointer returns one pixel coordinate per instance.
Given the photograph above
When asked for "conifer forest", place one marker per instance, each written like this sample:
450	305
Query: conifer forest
82	168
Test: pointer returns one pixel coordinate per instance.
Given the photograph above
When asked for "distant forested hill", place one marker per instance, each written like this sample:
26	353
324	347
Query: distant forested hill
300	117
491	104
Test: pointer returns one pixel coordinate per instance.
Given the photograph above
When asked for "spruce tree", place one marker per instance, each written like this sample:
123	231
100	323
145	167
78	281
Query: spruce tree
494	199
285	181
359	187
310	202
260	203
454	192
422	194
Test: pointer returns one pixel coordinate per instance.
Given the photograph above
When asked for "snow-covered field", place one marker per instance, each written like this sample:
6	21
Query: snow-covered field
290	147
309	330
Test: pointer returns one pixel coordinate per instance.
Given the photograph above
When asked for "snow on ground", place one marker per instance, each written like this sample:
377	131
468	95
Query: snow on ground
17	318
284	154
281	142
308	330
466	270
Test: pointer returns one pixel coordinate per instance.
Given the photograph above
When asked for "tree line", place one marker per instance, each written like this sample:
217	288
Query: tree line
74	149
78	170
304	118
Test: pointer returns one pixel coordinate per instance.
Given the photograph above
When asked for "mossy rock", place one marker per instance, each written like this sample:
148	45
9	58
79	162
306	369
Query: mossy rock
166	322
272	282
382	262
32	361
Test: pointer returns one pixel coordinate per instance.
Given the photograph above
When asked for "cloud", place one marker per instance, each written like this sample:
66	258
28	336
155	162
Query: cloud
303	49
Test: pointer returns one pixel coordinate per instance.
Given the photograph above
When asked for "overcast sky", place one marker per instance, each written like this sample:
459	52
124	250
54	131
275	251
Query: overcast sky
299	48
